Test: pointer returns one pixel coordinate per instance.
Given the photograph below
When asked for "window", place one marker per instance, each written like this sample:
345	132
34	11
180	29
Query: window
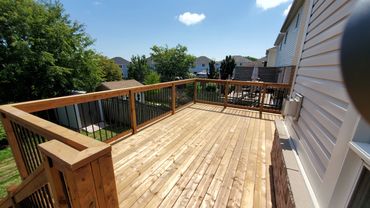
240	64
281	46
203	65
286	37
297	22
361	194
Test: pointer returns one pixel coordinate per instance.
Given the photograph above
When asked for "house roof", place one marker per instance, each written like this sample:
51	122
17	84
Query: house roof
292	13
119	84
120	61
150	61
202	60
241	59
297	4
279	38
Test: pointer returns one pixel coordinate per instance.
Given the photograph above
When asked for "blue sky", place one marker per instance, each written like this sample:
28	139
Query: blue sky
214	28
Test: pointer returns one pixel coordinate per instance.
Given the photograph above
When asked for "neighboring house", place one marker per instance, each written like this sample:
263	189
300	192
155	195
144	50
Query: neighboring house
258	63
271	57
201	64
150	62
330	138
123	64
288	40
218	65
241	61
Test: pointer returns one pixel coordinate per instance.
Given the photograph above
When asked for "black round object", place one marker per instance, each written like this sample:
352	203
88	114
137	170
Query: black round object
355	57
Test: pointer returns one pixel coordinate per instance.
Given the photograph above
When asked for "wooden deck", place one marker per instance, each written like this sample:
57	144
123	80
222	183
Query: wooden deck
203	156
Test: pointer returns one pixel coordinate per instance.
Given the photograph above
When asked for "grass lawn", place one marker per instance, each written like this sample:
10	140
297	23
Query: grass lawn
8	171
106	133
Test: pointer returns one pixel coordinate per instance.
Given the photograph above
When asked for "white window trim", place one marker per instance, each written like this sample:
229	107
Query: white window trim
362	150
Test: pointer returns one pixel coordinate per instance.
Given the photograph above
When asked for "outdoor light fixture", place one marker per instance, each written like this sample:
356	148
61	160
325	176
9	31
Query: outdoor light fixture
355	57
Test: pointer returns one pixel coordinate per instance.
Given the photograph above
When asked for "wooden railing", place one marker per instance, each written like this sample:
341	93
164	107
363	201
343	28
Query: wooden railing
259	96
74	165
64	140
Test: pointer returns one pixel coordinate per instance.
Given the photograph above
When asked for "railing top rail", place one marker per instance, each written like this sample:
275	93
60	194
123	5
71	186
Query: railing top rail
44	104
252	83
69	158
51	131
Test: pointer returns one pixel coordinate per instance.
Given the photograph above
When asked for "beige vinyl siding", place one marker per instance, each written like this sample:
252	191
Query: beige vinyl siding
287	56
326	103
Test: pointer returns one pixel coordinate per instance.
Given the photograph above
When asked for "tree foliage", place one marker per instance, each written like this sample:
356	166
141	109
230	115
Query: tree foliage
138	68
227	67
251	58
212	74
152	77
171	63
109	70
42	52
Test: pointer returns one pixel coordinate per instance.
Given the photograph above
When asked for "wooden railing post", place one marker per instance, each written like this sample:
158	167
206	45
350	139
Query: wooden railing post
14	146
80	178
226	94
173	98
262	99
133	112
195	91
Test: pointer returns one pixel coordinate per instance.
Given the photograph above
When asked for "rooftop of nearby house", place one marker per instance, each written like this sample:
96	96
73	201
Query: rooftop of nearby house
241	59
121	61
296	5
202	60
119	84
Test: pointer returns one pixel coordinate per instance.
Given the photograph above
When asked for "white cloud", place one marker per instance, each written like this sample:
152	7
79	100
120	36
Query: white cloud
268	4
97	3
286	11
189	18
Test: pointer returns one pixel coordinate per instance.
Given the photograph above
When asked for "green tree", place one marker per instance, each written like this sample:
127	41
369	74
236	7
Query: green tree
227	67
212	74
138	68
171	63
42	52
152	77
251	58
110	71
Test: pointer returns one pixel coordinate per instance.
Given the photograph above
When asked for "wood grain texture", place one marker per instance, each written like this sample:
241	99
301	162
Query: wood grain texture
204	155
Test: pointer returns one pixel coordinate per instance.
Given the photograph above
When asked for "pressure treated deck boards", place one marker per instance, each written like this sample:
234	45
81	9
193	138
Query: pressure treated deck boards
203	156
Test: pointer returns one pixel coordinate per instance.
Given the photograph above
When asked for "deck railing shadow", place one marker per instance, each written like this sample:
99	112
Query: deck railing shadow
237	112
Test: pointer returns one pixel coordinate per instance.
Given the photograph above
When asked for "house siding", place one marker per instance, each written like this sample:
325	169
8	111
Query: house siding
271	57
286	53
326	106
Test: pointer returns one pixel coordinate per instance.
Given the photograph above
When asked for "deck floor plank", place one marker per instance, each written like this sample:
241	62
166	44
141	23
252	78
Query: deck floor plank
204	155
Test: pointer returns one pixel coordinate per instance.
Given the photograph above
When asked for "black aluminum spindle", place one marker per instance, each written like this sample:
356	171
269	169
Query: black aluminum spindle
91	119
21	146
83	118
27	149
97	110
66	111
75	112
35	150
